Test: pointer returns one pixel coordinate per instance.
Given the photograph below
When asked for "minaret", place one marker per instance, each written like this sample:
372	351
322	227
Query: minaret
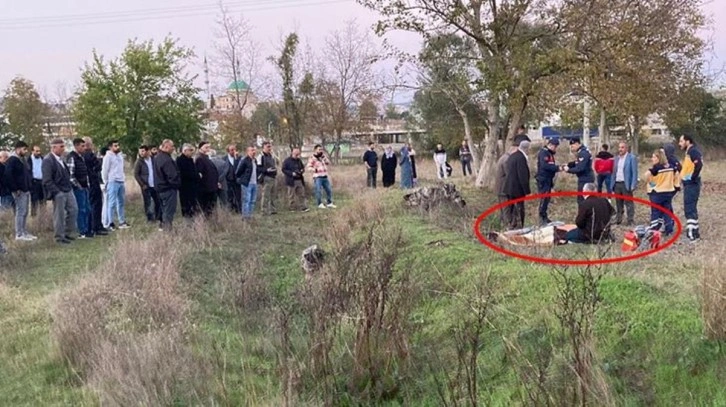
206	82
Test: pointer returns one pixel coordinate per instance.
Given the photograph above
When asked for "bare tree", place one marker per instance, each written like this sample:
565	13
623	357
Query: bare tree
346	77
237	55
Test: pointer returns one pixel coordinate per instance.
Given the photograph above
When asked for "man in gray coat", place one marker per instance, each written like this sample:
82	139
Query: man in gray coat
58	188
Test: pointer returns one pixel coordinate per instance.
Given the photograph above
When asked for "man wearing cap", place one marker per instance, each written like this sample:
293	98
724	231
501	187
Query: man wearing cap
582	166
516	183
545	177
58	188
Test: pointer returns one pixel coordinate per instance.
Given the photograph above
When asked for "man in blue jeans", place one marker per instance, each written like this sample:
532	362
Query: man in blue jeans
80	181
247	174
318	164
114	179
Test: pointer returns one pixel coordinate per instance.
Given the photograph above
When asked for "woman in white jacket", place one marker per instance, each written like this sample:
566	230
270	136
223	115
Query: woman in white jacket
440	160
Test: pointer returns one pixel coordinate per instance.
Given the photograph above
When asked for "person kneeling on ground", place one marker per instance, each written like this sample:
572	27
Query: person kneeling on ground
593	218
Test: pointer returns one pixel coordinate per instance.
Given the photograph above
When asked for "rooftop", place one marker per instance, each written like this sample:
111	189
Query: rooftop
238	85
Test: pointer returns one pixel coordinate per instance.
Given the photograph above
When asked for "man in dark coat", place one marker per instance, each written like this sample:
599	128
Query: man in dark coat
370	160
144	176
545	177
95	194
58	188
516	183
209	180
166	177
293	168
234	191
18	180
247	174
389	162
582	166
593	218
189	181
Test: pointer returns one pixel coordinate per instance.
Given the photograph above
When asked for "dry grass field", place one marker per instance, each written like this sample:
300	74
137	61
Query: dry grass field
409	308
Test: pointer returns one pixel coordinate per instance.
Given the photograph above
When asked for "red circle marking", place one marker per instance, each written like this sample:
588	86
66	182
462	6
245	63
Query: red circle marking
486	242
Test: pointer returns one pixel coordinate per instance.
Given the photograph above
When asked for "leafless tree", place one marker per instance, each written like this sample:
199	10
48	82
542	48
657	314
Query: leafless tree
237	55
346	76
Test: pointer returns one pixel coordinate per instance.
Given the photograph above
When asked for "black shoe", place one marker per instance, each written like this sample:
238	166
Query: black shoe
63	241
71	238
102	232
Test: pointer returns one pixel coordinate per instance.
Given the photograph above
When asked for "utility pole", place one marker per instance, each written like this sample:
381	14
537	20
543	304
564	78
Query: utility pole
586	123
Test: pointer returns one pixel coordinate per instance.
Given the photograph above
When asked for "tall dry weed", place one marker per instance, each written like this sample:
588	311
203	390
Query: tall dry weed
360	291
713	299
125	328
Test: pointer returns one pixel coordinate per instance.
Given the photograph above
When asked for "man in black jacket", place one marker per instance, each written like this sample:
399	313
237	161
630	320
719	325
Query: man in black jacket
144	176
234	192
189	181
95	194
293	168
268	178
6	198
593	218
79	179
19	180
370	159
516	183
209	180
167	180
58	188
247	173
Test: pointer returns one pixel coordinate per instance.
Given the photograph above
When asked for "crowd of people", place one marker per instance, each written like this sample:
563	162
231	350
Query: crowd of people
87	188
88	193
618	174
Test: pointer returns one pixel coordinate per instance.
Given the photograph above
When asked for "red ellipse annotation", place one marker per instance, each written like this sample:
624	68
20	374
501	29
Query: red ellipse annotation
570	262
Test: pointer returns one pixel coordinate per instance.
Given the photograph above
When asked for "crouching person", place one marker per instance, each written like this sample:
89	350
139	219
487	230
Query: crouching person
593	218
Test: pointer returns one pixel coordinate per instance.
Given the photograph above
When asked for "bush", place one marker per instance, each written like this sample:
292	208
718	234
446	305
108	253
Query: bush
713	300
124	329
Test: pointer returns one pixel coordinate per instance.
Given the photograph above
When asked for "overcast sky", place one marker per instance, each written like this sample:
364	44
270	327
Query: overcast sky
39	42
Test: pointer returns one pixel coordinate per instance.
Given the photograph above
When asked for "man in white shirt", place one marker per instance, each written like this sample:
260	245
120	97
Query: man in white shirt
114	180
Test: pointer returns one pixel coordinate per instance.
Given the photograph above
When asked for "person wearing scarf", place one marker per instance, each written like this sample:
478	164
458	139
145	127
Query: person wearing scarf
388	167
406	173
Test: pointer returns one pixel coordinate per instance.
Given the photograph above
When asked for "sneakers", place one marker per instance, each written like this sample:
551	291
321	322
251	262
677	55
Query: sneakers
330	205
322	206
31	237
23	239
305	210
124	226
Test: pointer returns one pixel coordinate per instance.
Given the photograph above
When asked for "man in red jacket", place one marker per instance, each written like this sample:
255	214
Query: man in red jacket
604	161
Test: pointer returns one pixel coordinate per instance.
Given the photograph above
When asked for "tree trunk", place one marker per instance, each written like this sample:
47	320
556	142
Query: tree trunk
603	130
487	170
469	141
635	135
586	123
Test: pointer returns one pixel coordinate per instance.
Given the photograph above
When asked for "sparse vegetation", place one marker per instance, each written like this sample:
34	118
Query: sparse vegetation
408	308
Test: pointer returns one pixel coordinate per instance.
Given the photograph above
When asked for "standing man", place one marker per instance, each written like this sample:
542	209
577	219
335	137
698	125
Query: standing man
209	180
167	181
582	166
79	179
604	169
35	161
545	177
19	179
234	191
516	184
189	181
58	188
6	198
144	176
247	173
114	179
505	214
465	157
370	159
95	194
440	161
623	182
268	166
318	164
691	179
222	166
293	168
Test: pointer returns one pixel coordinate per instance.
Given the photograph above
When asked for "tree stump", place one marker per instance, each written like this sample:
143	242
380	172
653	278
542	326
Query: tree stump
433	196
312	260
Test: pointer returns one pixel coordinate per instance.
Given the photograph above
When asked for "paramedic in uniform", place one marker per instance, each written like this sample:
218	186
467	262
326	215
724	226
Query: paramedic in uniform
691	179
582	167
545	177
